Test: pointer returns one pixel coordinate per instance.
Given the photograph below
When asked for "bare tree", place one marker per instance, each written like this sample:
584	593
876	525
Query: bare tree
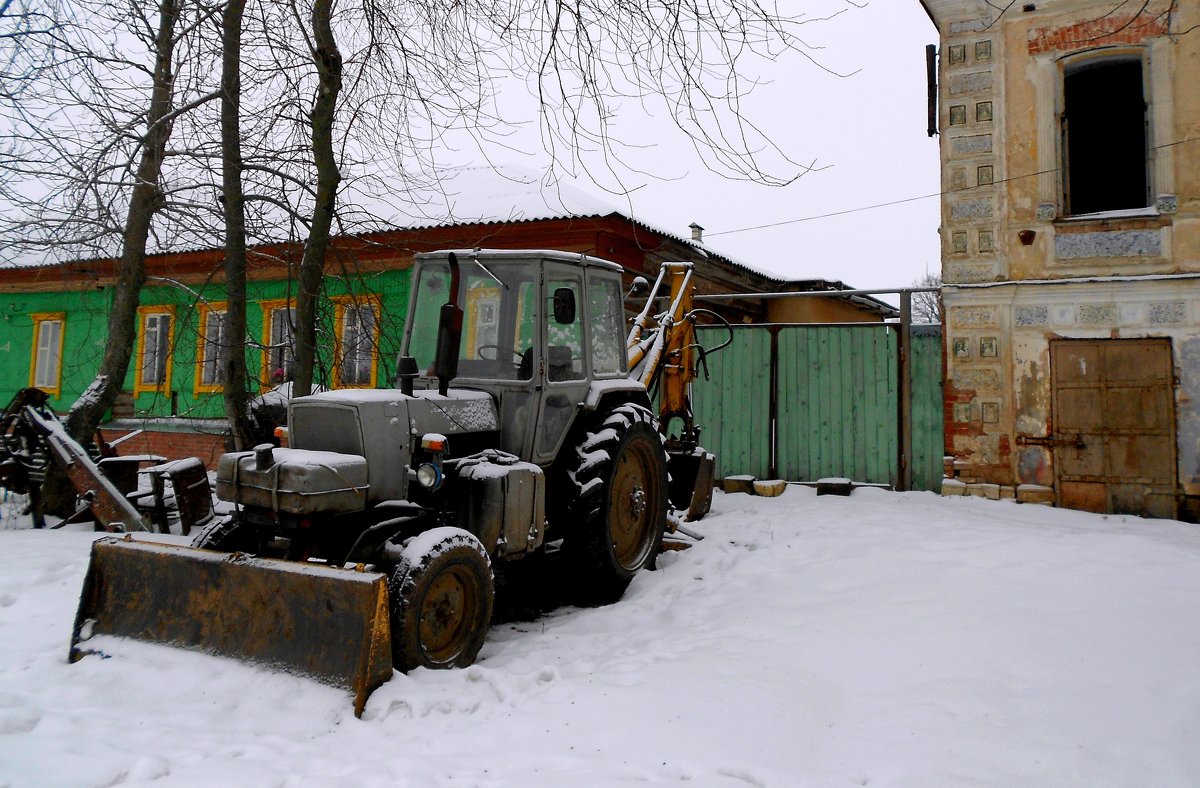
233	357
927	306
412	82
85	164
25	29
328	62
330	114
145	200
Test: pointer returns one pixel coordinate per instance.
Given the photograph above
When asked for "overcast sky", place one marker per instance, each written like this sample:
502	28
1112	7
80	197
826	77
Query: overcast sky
868	130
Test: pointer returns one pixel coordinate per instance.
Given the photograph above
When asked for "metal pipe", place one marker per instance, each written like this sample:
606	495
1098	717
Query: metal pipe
815	294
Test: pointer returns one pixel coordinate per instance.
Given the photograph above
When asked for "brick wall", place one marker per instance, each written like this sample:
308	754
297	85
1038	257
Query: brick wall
1105	31
172	445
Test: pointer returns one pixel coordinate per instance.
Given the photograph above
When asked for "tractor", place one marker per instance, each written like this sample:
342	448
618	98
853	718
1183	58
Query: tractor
520	423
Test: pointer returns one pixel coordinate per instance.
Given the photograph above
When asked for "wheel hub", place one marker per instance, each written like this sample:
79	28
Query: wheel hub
637	502
443	615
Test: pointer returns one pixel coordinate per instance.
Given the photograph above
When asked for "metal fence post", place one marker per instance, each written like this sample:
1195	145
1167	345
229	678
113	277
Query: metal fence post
904	385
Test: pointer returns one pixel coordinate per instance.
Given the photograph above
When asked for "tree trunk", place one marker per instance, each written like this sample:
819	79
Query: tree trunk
233	341
144	202
312	267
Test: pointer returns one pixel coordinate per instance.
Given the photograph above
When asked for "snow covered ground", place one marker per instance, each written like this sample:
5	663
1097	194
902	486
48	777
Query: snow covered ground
883	639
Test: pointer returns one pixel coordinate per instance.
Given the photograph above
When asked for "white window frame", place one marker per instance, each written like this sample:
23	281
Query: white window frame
353	340
210	351
154	347
1107	56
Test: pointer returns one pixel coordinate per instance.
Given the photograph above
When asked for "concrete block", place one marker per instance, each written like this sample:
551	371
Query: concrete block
769	488
738	484
1035	493
834	486
953	487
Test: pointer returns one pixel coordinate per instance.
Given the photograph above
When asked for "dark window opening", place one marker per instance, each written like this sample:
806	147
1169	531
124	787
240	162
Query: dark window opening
1104	138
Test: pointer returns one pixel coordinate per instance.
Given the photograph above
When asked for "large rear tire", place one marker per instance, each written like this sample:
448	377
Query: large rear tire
441	594
619	511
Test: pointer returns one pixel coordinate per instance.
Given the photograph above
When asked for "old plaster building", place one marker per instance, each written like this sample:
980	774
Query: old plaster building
1070	149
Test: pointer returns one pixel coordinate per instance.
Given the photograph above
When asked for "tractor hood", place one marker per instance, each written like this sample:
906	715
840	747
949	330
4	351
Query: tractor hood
382	425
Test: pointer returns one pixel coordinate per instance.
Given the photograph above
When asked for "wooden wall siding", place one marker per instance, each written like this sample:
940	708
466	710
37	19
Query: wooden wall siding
733	408
837	404
836	395
927	408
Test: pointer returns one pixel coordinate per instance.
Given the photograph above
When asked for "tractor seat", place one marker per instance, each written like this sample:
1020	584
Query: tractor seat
558	363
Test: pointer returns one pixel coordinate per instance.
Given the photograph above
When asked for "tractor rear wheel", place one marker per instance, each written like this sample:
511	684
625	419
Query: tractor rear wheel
441	596
619	513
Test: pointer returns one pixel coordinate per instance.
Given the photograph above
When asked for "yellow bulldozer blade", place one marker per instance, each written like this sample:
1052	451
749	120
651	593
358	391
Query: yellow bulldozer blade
330	624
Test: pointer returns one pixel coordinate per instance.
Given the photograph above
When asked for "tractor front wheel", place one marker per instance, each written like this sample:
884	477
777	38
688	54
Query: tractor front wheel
441	596
227	534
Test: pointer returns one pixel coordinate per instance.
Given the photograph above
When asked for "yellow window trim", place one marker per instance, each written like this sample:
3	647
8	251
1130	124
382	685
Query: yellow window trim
340	303
268	307
206	308
476	295
143	313
38	319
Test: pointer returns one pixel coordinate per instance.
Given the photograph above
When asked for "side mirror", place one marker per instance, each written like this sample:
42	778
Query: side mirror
637	287
564	306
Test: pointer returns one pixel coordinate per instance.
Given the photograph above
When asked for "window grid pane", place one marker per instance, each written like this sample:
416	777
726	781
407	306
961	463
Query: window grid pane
282	356
46	367
212	371
358	334
155	347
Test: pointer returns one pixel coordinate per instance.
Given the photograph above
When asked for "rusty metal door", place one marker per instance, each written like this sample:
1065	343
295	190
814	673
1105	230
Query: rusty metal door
1114	425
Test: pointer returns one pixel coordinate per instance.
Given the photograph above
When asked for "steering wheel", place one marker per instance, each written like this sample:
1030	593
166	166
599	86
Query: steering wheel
495	349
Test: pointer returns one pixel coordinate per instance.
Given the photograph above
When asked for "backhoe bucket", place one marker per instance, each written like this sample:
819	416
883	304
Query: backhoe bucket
330	624
692	482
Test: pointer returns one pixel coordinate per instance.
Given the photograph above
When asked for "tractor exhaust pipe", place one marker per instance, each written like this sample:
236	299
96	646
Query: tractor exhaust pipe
445	363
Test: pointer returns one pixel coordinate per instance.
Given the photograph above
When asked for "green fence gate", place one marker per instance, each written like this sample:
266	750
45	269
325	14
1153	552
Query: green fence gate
810	401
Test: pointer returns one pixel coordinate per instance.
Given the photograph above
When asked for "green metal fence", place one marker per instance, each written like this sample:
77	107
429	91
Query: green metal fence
805	402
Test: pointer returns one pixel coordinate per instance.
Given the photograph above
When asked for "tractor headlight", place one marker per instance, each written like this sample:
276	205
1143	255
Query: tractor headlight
429	476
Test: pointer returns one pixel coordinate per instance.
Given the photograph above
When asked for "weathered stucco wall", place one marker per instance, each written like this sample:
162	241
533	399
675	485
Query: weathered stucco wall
1028	273
999	337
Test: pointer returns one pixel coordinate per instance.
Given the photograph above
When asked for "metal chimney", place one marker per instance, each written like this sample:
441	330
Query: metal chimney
697	232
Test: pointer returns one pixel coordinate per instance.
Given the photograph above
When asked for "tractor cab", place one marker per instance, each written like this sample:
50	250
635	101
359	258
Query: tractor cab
538	330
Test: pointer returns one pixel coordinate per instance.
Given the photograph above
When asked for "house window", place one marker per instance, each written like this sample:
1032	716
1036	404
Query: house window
46	370
154	351
280	333
1104	136
356	343
211	348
